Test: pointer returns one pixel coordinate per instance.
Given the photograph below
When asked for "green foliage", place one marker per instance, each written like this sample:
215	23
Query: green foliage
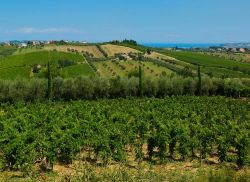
208	61
104	129
140	82
199	80
49	78
94	87
22	65
65	63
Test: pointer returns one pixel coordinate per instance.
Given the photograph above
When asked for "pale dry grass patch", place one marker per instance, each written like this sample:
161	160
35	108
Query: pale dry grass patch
111	50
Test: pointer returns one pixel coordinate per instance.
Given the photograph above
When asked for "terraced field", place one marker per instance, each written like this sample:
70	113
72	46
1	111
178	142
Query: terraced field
111	49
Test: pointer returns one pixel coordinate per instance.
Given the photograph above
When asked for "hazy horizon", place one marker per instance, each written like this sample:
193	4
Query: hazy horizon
155	21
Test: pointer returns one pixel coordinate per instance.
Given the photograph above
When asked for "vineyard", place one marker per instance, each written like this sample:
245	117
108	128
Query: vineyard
34	64
211	62
37	136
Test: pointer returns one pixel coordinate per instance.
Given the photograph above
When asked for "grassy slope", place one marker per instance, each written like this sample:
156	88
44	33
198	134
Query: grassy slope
88	48
138	47
130	65
111	49
206	60
218	66
78	70
27	50
179	64
25	58
20	65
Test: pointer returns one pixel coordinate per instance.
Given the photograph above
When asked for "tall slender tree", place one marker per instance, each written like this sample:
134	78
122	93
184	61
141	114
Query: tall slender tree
49	91
140	82
199	80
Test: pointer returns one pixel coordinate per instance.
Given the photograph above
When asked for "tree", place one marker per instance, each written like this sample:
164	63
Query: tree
49	92
140	82
149	51
199	81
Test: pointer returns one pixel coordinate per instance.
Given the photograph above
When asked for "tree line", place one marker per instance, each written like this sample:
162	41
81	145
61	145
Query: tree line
95	87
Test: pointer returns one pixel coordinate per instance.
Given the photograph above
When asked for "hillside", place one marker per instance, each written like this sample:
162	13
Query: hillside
218	66
24	65
111	60
111	49
91	49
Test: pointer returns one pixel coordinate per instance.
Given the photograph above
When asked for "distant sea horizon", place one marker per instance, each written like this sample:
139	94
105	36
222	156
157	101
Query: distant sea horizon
182	45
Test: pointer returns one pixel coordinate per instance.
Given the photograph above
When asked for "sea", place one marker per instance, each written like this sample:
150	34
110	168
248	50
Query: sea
182	45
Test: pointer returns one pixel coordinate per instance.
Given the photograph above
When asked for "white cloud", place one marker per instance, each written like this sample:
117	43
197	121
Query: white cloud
31	30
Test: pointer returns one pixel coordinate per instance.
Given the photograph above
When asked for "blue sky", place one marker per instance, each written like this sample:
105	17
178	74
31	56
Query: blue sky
147	21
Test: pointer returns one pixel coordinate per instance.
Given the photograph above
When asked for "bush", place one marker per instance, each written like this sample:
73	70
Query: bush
84	88
165	87
189	86
37	89
66	63
57	88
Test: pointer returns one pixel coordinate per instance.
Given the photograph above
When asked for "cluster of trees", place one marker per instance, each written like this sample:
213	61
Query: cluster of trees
130	43
111	130
125	41
62	63
95	87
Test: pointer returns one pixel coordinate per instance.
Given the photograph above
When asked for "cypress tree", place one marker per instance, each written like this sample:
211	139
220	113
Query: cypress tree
199	80
49	92
140	82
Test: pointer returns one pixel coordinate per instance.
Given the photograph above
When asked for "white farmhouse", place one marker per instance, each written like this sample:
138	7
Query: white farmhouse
23	45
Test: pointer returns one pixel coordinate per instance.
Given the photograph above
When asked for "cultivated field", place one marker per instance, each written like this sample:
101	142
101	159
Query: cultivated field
240	57
217	66
124	68
129	139
107	113
111	50
20	66
92	49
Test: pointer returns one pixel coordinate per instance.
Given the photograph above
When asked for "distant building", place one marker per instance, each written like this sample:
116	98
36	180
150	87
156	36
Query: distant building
23	45
242	50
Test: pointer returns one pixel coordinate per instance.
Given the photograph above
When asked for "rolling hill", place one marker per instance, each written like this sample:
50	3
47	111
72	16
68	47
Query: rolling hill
22	65
104	59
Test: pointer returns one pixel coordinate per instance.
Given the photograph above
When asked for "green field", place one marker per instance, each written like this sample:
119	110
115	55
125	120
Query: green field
21	62
210	61
20	65
27	50
78	70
